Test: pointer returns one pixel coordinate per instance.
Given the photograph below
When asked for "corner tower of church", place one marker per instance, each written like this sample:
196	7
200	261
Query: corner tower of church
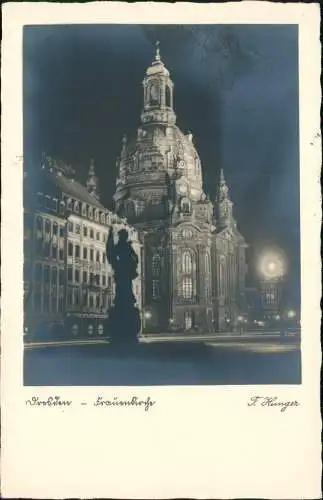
160	191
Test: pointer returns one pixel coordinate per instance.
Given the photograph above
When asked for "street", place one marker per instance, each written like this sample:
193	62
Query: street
222	361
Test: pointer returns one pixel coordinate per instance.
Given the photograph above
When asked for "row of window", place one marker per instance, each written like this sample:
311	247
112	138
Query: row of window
187	290
87	253
87	232
49	227
76	276
77	207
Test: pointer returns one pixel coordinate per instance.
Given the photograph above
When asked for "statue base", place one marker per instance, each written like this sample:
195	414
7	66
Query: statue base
124	325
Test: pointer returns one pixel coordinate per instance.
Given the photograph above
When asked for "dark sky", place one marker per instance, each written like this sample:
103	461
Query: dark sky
236	89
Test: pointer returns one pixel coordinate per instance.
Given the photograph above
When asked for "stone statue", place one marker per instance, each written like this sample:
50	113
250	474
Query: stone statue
124	261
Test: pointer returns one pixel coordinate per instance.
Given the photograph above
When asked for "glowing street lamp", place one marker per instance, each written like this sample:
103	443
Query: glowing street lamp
272	265
147	315
291	314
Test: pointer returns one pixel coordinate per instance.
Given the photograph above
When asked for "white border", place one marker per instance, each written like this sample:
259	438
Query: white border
198	441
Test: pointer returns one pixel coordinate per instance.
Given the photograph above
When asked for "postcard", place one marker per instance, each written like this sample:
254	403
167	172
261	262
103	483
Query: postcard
160	308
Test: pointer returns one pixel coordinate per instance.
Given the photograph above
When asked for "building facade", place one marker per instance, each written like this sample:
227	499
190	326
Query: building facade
68	283
194	256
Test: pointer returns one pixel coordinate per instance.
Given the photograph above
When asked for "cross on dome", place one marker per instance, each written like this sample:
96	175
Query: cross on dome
157	56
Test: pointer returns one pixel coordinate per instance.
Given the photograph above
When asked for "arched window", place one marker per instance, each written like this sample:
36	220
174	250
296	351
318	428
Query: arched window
156	265
187	233
154	94
168	97
186	206
221	278
187	288
187	264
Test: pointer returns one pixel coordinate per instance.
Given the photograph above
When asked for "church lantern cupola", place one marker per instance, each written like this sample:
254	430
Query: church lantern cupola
158	93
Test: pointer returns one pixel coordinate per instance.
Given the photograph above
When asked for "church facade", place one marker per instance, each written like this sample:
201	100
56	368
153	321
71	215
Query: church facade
194	263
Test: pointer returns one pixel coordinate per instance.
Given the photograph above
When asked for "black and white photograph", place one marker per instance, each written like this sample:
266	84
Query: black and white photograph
160	250
161	205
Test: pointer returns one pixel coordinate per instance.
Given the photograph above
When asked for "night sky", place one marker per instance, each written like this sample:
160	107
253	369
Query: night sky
236	90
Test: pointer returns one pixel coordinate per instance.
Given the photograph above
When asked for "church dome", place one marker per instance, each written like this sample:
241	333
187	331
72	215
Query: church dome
161	150
160	159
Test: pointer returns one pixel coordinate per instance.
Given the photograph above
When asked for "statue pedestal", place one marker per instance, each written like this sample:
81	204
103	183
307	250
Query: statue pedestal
124	325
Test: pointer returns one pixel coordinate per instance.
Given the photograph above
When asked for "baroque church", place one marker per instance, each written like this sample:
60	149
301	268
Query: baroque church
194	256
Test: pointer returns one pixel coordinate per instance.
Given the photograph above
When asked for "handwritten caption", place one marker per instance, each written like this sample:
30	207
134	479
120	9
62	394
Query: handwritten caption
115	402
268	401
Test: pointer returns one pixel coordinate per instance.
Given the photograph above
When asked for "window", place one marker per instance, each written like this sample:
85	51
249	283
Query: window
77	229
61	253
155	198
90	213
85	253
187	233
104	280
156	265
47	226
186	207
91	255
61	232
39	224
85	231
54	275
55	228
84	276
98	301
69	205
54	252
77	251
84	210
186	262
70	227
187	288
168	97
156	289
70	296
91	301
140	206
62	208
70	249
77	297
70	273
98	236
46	248
103	258
46	274
77	275
98	256
188	320
61	276
91	234
76	207
38	273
